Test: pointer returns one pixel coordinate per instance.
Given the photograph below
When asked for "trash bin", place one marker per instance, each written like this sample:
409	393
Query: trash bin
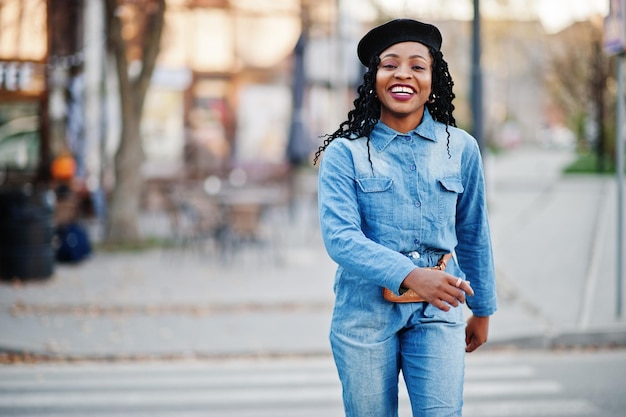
26	233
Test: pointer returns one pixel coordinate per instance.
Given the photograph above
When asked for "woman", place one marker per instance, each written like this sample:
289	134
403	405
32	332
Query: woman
402	208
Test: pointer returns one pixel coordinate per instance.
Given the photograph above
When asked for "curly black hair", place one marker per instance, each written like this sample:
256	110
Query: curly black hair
362	119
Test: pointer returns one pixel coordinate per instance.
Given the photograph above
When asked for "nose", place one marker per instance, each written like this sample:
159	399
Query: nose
402	72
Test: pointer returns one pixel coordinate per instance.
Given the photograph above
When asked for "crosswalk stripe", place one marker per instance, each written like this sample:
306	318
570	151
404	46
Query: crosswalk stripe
473	373
146	382
238	366
500	388
530	408
186	396
299	388
223	380
303	411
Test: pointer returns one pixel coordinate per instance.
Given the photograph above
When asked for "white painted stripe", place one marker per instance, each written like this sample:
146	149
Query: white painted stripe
253	365
232	390
501	372
530	408
287	394
120	382
501	388
305	410
188	398
208	379
274	401
594	268
495	368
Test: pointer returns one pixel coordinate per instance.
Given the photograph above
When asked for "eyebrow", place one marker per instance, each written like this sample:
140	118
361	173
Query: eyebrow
392	55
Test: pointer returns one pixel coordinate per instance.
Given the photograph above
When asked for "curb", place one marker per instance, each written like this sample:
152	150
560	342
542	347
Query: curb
596	339
599	339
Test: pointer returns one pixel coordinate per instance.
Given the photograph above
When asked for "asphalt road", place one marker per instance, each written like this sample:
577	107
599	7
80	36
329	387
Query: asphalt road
498	384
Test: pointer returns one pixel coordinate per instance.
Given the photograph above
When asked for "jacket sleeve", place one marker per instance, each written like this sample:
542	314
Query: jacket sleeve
340	222
474	249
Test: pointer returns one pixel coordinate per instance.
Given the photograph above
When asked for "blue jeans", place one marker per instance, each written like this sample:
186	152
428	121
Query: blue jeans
427	344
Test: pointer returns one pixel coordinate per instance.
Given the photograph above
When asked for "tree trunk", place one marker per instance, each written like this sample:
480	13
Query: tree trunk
125	207
125	204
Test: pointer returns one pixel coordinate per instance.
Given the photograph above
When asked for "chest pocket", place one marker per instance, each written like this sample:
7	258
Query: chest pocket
375	196
448	193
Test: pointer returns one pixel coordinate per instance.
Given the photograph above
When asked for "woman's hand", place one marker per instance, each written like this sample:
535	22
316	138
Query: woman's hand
476	332
437	287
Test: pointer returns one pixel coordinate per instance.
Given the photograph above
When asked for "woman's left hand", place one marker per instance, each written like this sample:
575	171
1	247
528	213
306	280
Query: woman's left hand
476	332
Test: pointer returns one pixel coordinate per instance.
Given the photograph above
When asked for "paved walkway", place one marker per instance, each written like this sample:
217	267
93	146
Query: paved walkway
555	249
554	242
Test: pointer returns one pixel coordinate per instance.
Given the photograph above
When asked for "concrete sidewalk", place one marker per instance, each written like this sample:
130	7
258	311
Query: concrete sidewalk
555	249
554	242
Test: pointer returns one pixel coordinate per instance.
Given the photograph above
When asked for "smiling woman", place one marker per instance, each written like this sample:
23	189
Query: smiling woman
403	214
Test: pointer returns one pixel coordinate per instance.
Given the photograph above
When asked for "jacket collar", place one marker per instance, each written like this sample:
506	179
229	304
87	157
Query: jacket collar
382	135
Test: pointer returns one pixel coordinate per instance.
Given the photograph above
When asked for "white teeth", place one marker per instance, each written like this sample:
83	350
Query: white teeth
401	89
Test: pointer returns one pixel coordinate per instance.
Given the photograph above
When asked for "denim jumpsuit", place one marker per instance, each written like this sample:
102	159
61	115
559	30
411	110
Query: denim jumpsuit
421	196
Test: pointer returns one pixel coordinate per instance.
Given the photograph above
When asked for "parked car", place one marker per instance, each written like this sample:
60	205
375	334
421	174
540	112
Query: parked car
19	143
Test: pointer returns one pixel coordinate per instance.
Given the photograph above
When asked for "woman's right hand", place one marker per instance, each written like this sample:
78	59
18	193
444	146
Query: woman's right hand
438	288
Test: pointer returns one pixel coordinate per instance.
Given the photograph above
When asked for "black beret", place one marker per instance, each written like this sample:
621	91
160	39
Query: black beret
395	31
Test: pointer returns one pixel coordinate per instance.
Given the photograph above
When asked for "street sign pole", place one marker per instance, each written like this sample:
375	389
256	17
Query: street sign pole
615	44
619	139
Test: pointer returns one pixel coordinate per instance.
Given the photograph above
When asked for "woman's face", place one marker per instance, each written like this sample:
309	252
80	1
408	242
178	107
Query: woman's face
403	84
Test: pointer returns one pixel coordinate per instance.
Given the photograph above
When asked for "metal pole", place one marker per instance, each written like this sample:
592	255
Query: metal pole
619	138
477	87
94	75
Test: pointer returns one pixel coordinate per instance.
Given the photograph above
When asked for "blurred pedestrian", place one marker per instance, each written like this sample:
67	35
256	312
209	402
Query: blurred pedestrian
403	214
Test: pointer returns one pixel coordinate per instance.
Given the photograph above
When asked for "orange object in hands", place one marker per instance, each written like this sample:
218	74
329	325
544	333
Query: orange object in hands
63	167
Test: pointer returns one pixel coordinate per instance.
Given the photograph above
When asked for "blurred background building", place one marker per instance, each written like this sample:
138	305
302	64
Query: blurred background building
248	86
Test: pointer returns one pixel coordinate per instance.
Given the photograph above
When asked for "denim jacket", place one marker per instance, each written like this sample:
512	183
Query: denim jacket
418	198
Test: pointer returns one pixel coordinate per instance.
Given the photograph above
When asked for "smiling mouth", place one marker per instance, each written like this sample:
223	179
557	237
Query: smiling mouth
402	90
